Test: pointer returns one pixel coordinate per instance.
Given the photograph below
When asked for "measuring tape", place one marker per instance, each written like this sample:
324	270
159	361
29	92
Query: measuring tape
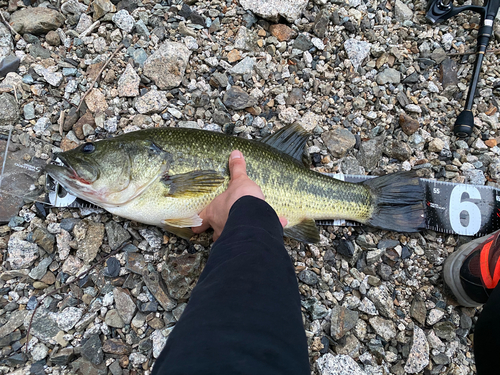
468	210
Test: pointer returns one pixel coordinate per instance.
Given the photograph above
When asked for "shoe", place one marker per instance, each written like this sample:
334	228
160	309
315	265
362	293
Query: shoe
473	270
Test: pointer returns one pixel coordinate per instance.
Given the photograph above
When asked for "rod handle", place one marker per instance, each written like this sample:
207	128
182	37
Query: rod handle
464	124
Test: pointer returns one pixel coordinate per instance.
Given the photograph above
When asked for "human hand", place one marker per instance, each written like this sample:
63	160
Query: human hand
216	213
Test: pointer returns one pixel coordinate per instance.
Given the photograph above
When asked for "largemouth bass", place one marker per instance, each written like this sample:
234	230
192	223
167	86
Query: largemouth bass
167	176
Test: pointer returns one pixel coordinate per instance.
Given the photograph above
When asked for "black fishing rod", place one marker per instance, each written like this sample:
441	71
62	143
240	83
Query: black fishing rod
441	10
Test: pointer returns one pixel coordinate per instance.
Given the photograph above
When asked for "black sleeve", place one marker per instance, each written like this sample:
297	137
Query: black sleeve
244	314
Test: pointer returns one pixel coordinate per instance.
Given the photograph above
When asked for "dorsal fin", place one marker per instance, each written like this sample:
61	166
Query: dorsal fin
291	140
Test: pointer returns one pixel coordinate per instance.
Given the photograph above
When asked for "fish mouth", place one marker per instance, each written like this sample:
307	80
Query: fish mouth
61	169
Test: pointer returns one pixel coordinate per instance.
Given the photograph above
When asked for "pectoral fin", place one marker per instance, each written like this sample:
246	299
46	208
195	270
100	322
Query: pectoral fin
192	183
305	231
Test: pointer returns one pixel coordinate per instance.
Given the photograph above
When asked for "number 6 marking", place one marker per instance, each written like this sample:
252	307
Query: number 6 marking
457	206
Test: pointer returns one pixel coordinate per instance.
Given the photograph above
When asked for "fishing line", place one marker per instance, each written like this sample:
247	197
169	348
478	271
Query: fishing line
5	156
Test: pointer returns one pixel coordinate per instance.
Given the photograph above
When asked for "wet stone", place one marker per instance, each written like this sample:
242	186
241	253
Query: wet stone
92	350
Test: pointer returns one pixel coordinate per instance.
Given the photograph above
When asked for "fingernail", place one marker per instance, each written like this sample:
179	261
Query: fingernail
236	155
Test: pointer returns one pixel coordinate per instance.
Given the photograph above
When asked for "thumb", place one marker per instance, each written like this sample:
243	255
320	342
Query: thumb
237	165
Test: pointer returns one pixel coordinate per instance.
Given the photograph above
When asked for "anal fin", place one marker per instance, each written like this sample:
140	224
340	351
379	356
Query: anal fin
182	222
305	231
185	233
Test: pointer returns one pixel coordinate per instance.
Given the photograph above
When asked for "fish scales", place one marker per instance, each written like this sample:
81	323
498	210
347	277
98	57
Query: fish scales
166	176
291	189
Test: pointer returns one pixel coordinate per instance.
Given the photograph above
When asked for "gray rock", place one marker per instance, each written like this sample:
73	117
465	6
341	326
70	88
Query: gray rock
445	330
113	319
53	78
39	352
102	7
136	263
245	66
419	352
221	117
15	319
382	299
36	21
62	356
6	44
117	235
73	7
272	9
84	23
9	110
342	321
90	241
67	318
9	64
308	277
124	304
368	307
357	51
237	98
402	11
43	325
181	274
177	312
37	272
338	141
21	253
92	349
246	40
152	281
370	152
329	364
475	176
383	327
166	66
41	125
152	102
434	316
29	111
389	75
303	42
142	29
124	20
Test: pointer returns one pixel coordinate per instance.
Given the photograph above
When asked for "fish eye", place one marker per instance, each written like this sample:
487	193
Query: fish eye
88	148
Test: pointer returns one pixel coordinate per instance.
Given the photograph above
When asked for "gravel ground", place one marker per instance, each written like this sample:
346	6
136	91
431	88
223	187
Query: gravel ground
377	86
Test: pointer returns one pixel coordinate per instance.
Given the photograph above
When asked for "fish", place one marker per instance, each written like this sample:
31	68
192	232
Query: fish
166	176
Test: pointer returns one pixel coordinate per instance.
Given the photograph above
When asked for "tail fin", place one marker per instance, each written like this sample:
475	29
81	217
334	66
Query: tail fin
399	202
